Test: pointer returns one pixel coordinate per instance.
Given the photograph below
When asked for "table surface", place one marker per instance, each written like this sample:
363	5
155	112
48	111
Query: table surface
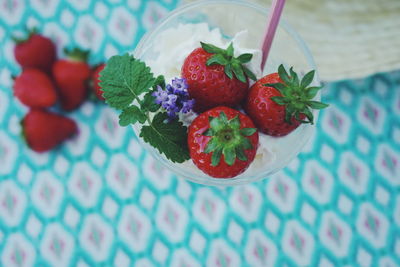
100	199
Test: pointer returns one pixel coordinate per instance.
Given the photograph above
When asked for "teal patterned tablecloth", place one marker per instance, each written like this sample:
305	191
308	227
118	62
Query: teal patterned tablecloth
101	200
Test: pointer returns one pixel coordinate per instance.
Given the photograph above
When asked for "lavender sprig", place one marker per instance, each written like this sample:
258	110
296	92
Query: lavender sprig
175	99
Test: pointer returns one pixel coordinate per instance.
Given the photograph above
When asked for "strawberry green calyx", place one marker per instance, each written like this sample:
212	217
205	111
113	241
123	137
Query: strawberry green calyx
22	133
77	54
227	139
233	65
297	95
20	40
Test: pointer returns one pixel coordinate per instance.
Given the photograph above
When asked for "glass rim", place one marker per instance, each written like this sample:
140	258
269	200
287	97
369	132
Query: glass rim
183	8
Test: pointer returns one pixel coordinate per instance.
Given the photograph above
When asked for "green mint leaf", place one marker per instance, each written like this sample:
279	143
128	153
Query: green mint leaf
131	115
249	73
229	50
149	104
316	105
160	81
212	48
228	71
123	79
245	58
307	79
217	59
168	138
237	69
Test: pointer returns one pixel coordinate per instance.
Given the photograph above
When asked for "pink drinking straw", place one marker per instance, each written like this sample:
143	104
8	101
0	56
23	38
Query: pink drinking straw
272	24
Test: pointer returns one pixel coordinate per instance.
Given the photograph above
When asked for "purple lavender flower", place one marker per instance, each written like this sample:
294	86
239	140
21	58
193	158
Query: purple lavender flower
172	114
169	88
180	86
160	95
170	103
187	106
175	98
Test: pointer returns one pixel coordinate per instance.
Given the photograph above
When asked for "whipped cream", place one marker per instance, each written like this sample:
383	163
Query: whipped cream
172	47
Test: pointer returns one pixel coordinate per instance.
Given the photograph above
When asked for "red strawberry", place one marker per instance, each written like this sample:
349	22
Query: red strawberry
35	89
215	77
222	142
36	51
44	130
71	76
95	81
279	103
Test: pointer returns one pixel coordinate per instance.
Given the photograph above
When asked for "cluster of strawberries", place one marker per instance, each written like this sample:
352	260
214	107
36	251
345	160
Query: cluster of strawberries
46	80
223	140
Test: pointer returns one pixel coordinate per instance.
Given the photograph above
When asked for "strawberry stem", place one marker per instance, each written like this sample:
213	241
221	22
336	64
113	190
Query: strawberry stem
29	33
227	139
297	95
77	54
233	65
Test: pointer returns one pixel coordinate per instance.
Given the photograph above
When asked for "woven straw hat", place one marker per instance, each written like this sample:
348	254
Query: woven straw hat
348	38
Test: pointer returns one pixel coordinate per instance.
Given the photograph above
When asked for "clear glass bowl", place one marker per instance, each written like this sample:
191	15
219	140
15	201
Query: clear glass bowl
231	17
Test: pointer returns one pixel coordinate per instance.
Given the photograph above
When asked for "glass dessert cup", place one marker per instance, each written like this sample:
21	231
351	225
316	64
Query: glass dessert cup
232	17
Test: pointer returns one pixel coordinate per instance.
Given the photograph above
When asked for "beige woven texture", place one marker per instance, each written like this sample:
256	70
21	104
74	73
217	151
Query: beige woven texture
348	38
